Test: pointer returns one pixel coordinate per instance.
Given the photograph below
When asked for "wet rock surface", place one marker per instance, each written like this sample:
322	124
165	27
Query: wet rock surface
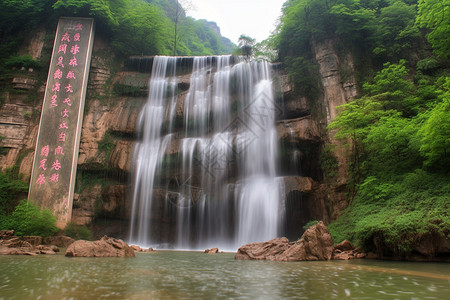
315	244
105	247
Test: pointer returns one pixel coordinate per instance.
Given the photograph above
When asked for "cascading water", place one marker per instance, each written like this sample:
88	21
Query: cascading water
204	173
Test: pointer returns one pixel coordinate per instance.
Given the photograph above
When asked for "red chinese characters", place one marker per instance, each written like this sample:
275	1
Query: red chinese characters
54	177
54	101
58	74
70	75
59	150
56	165
41	179
42	164
75	49
65	37
69	88
60	62
67	101
63	125
45	150
56	87
65	113
62	48
62	91
62	137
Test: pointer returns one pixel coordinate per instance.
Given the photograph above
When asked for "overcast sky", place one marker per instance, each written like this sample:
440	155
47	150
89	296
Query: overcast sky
255	18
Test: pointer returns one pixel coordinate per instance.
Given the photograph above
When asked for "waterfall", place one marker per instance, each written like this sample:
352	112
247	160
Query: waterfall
204	172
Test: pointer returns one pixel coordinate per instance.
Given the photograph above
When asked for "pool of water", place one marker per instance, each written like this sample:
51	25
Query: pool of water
195	275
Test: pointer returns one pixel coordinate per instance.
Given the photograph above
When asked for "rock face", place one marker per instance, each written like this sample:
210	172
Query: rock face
315	244
337	90
105	247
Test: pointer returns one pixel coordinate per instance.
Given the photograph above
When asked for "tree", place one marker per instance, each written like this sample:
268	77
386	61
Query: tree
395	31
435	16
246	45
434	134
391	87
177	16
389	145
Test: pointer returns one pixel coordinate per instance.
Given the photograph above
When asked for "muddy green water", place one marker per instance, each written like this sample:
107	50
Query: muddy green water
194	275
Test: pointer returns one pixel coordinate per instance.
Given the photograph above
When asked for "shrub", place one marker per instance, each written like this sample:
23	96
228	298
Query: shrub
78	232
11	189
29	219
25	61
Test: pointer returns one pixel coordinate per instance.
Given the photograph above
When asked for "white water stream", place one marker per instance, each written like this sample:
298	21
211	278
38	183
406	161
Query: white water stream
220	186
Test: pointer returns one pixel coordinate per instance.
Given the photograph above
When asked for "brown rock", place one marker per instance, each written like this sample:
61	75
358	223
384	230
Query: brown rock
16	246
15	242
263	250
298	130
49	248
17	251
360	255
113	198
345	251
136	248
48	252
6	234
343	255
105	247
212	251
122	155
344	246
315	244
319	242
33	240
60	241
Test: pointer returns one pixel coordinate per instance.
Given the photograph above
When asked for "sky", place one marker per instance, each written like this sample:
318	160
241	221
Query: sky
255	18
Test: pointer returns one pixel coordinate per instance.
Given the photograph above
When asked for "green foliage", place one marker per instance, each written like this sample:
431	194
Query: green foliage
25	61
11	188
395	31
310	223
389	141
434	135
375	31
78	232
133	26
434	15
246	46
396	212
106	144
328	161
28	219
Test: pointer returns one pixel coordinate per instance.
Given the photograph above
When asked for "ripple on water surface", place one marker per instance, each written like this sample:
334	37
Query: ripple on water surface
194	275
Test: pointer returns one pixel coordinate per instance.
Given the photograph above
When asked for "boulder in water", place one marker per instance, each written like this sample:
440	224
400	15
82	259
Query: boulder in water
105	247
212	251
315	244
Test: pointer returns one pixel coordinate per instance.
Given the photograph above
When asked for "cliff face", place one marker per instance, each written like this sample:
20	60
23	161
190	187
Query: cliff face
339	87
114	100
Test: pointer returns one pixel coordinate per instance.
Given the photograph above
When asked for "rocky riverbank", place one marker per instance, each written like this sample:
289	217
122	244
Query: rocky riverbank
315	244
35	245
